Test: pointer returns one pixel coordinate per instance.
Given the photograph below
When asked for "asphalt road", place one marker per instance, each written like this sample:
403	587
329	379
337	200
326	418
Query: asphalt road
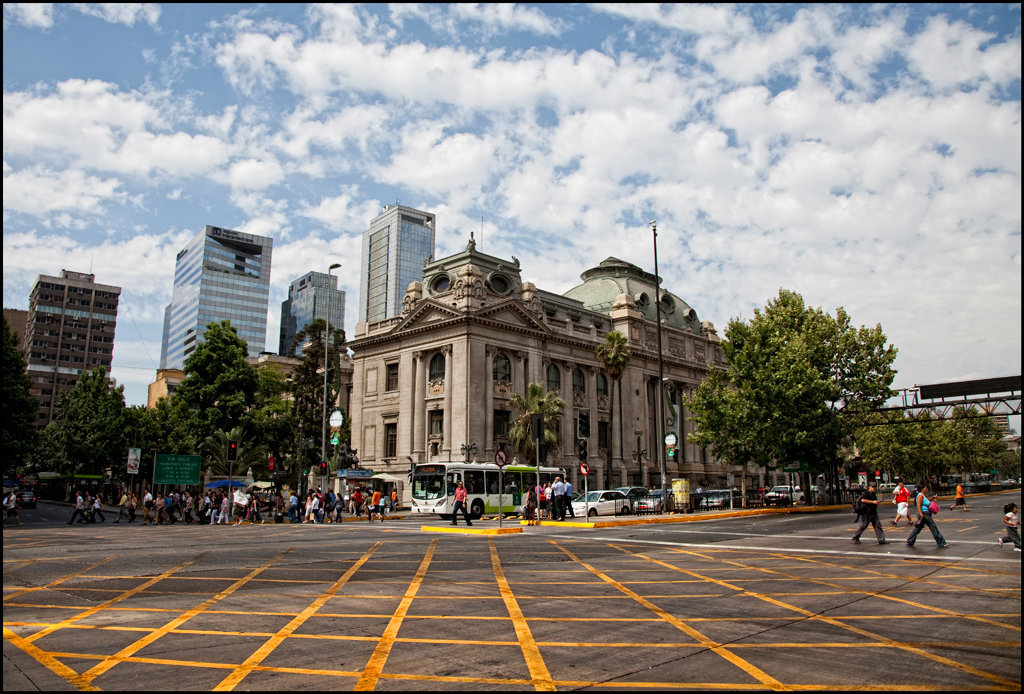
755	602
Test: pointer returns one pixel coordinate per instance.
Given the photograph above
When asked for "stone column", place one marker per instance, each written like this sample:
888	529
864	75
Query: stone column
446	350
486	452
419	436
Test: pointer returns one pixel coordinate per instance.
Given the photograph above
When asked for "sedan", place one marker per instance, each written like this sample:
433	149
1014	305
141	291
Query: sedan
652	503
602	502
27	499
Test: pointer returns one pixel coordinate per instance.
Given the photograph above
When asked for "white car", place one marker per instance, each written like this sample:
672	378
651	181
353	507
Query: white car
602	502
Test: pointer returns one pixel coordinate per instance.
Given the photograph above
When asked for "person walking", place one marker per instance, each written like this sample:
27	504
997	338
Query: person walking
869	508
901	497
133	504
225	509
122	506
557	496
79	511
460	504
924	517
530	508
1010	519
97	509
961	500
394	499
567	500
147	507
542	501
376	505
11	508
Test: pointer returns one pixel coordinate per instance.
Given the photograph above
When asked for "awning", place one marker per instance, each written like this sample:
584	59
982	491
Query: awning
262	485
390	478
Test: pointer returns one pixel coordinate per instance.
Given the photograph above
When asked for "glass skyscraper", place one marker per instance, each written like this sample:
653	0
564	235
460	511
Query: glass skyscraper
221	274
307	300
398	242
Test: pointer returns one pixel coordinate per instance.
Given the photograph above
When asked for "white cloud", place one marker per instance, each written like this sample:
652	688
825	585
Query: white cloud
37	15
127	13
40	192
252	174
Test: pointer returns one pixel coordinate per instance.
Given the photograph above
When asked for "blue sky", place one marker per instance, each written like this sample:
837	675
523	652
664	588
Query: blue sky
866	156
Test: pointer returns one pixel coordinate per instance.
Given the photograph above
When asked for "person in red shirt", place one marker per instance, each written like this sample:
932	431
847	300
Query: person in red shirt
460	503
902	499
375	506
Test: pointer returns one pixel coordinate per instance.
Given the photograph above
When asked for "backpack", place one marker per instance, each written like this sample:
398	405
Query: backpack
858	507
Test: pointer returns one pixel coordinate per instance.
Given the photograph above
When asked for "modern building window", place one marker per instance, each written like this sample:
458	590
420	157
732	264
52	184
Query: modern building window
436	423
502	368
391	440
391	377
579	385
437	367
554	378
602	384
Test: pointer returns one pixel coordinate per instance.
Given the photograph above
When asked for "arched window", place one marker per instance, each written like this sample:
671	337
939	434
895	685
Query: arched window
579	385
602	384
554	378
437	367
502	369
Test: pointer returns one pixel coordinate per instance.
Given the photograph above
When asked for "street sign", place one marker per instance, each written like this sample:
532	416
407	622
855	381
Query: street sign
336	418
334	439
500	458
177	469
584	469
670	439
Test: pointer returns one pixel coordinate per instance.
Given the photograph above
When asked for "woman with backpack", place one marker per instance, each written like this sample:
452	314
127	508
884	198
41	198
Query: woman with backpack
925	509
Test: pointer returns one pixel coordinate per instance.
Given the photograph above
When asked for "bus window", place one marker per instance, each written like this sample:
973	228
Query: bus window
492	482
428	484
474	481
453	479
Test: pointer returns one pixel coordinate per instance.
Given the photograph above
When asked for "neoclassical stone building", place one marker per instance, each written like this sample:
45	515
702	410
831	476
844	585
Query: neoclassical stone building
433	383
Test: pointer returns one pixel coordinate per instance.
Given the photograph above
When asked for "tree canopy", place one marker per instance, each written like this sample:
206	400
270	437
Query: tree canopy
18	429
537	401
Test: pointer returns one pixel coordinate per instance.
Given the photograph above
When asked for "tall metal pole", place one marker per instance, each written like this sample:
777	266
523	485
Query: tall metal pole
658	433
327	340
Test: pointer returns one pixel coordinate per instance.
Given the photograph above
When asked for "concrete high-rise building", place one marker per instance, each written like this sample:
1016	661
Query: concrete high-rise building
308	300
70	329
220	275
395	247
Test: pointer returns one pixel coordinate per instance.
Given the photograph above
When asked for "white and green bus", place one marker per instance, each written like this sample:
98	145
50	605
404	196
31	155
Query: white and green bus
433	486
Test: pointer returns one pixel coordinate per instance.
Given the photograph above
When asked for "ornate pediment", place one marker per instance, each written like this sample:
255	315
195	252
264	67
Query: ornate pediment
426	313
511	313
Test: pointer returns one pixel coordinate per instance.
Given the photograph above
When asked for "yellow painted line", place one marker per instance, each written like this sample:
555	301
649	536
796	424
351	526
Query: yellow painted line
239	673
828	620
371	673
100	668
123	596
540	677
463	530
45	659
764	678
51	584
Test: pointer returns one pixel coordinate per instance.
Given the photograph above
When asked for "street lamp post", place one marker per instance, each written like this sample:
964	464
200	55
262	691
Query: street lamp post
327	340
660	446
468	450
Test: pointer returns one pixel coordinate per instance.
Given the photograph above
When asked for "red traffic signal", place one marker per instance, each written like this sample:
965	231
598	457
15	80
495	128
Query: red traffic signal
270	463
581	449
232	450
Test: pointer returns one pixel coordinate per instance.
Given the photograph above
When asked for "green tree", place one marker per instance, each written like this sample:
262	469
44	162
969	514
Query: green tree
18	437
308	383
271	418
549	404
791	371
614	355
972	442
90	425
251	453
910	448
219	383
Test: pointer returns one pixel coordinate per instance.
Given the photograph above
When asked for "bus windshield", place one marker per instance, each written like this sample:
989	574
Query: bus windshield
428	482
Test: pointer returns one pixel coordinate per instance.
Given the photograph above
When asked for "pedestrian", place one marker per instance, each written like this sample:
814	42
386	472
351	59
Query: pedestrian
901	497
924	517
293	507
122	506
869	508
1010	519
460	503
79	511
148	507
394	499
225	509
133	503
557	497
530	509
97	509
239	503
542	502
961	500
11	508
567	501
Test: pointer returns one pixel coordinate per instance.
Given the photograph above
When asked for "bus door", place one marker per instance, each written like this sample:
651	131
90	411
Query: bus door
452	479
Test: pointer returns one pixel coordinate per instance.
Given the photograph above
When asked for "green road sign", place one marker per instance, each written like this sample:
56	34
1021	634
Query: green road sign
177	469
334	439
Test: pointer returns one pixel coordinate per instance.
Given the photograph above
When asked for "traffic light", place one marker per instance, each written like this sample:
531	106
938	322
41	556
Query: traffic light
270	463
323	467
583	424
581	449
232	451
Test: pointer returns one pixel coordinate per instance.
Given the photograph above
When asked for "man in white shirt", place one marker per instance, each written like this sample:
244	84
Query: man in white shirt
79	511
558	499
147	507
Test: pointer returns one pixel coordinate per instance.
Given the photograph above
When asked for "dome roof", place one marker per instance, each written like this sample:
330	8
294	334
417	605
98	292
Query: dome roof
604	283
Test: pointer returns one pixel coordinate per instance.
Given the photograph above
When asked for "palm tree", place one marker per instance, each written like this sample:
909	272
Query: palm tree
214	449
614	355
549	404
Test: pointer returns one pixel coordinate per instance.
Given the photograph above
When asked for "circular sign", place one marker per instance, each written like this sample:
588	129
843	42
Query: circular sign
670	440
584	469
500	458
336	418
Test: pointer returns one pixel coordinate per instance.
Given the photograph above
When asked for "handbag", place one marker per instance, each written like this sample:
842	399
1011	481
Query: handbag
933	507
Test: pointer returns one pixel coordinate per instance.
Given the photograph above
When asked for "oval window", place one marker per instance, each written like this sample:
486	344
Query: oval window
499	284
442	284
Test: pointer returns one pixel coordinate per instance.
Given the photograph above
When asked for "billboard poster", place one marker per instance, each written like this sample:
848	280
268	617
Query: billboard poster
134	455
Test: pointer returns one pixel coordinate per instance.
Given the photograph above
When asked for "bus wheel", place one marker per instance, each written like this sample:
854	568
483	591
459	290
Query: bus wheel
477	510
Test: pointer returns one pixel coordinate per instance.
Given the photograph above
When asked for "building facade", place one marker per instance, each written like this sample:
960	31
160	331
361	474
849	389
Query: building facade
439	376
220	275
309	298
398	242
71	322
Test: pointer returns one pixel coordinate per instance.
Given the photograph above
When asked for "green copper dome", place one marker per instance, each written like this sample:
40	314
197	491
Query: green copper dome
604	283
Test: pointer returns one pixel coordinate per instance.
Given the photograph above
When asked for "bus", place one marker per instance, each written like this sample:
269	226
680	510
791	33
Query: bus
433	486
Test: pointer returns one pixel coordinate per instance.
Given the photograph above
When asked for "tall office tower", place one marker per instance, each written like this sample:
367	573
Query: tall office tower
221	274
398	242
308	300
70	329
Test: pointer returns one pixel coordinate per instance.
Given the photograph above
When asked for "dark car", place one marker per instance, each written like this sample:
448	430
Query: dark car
27	499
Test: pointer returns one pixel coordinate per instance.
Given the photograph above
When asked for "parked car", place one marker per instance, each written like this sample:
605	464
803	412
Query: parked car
27	499
652	503
602	502
633	493
719	498
885	487
783	495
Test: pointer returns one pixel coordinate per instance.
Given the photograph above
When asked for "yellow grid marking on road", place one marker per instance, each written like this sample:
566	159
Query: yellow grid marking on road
755	672
97	670
375	665
828	620
240	671
540	677
22	591
48	660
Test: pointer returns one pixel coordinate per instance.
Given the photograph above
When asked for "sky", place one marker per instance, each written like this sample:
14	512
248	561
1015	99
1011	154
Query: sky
864	156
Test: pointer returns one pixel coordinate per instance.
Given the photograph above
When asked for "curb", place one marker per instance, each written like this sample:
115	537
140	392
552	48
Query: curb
469	531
